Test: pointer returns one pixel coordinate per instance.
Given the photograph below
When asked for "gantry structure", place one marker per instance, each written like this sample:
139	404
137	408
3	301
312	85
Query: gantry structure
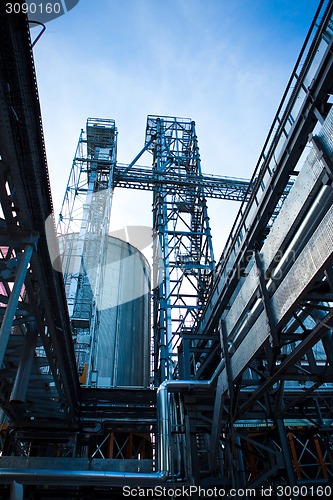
183	260
242	389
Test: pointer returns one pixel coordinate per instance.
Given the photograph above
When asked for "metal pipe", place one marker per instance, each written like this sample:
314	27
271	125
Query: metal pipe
77	477
163	410
20	386
163	400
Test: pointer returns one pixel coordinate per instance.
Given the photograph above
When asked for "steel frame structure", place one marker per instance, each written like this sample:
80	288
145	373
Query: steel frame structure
183	253
271	301
248	402
82	231
213	186
35	336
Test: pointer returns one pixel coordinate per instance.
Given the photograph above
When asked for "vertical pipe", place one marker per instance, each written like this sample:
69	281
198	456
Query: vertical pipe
16	491
8	318
286	452
163	431
20	386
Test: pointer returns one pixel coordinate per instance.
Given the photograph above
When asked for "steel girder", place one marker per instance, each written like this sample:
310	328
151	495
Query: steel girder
35	332
271	302
146	178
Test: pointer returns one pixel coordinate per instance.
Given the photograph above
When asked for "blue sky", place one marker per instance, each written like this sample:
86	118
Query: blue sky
223	63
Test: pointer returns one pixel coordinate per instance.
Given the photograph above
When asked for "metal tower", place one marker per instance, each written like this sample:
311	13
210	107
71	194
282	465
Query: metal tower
183	260
243	353
83	229
183	253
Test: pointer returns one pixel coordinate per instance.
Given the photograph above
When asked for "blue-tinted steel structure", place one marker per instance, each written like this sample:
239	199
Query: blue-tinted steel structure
241	392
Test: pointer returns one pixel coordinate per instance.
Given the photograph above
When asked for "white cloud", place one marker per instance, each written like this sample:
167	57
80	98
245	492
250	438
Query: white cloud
203	59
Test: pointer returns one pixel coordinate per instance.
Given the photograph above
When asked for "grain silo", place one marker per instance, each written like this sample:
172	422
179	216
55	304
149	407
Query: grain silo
122	354
112	344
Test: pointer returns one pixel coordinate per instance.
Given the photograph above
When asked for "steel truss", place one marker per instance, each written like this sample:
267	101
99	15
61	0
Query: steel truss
270	306
83	231
213	186
37	364
252	404
183	253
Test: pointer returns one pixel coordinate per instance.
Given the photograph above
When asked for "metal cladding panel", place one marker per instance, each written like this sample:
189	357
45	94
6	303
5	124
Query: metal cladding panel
242	300
315	256
297	202
326	133
123	342
252	342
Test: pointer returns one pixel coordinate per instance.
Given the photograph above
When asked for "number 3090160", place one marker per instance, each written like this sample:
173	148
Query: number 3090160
33	8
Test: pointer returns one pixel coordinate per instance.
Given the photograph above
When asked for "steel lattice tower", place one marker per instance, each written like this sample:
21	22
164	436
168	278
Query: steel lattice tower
84	226
243	352
183	260
183	257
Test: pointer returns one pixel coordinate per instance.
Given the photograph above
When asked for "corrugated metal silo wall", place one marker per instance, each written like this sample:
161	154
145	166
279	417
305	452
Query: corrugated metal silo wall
123	343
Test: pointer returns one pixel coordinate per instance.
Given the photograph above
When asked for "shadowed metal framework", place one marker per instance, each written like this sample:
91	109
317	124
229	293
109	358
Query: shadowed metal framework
83	234
183	261
183	254
244	397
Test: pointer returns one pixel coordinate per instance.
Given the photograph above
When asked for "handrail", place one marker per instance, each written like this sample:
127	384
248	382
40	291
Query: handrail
309	82
285	108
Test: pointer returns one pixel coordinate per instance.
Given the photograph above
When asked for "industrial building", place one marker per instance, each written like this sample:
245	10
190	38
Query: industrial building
193	373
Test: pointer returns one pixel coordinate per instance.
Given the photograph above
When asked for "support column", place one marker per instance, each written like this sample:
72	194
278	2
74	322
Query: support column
225	350
220	397
184	357
216	426
286	453
20	386
16	491
7	322
266	301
